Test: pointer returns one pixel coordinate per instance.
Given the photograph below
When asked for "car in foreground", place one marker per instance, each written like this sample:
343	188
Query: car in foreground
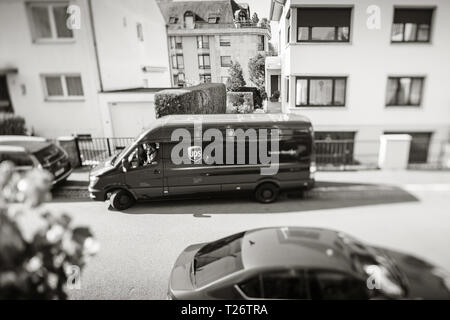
302	263
35	152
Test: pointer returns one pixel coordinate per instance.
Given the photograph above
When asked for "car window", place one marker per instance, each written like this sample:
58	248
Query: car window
218	259
144	155
285	284
252	287
20	159
331	285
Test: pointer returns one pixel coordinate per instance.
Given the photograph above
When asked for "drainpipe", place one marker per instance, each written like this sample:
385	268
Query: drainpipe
94	39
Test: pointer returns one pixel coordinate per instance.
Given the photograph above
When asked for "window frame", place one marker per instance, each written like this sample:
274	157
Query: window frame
228	65
336	28
202	44
204	76
201	57
226	43
333	104
178	45
261	44
63	79
54	38
430	26
398	78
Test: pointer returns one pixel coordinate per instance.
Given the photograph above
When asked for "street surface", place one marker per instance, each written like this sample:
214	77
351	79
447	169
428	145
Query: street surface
139	246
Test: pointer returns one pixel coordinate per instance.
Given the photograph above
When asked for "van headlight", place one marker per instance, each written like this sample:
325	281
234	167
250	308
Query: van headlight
93	180
312	170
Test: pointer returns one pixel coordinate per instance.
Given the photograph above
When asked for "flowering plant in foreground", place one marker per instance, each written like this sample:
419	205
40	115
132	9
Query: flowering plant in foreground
38	263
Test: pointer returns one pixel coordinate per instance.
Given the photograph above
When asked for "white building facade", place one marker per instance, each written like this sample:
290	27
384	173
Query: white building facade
206	36
61	59
361	69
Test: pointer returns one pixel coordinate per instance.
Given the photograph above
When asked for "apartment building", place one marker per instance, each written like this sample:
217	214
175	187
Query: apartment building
361	69
206	36
82	66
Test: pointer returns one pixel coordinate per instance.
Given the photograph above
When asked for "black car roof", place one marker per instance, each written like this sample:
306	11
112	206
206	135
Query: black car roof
295	247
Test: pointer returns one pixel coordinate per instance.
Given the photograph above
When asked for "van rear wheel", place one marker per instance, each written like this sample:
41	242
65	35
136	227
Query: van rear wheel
267	193
121	200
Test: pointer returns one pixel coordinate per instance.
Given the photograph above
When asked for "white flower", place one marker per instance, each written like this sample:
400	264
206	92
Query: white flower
91	247
55	233
34	264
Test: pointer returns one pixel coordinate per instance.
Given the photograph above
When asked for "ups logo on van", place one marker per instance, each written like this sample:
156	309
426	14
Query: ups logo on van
195	153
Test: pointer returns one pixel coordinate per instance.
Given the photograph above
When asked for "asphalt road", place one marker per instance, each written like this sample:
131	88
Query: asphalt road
139	247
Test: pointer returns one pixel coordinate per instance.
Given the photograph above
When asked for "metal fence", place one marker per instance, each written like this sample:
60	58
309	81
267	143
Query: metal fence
94	150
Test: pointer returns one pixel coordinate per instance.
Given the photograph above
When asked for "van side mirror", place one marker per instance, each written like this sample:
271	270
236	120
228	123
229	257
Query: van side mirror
124	165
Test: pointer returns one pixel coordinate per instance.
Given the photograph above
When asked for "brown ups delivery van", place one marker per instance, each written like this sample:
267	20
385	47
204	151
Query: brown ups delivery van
209	154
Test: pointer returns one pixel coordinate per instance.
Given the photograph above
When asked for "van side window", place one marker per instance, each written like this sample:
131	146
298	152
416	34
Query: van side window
144	155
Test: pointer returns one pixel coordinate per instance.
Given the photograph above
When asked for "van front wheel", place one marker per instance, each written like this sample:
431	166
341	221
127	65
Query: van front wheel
267	193
121	200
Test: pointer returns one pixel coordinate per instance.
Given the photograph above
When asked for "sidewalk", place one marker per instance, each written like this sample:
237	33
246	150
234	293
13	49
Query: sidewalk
336	184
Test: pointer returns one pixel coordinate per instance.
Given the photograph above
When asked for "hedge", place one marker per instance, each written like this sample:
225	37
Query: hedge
11	124
240	102
202	99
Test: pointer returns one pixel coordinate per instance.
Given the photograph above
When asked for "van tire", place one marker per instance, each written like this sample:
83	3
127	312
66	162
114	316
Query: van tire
121	200
267	192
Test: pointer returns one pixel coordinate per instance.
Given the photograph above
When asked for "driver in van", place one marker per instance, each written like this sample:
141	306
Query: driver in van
146	154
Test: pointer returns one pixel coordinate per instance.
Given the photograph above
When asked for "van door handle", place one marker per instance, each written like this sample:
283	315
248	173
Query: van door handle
157	171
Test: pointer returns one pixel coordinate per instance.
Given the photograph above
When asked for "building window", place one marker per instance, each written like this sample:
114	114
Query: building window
412	25
179	79
261	43
205	78
62	86
203	42
288	24
225	61
5	101
287	89
140	31
320	91
323	24
48	21
225	41
189	19
204	61
213	19
176	43
334	147
404	91
173	20
178	61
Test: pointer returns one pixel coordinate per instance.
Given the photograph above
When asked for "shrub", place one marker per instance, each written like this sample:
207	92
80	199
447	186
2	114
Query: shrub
202	99
11	124
257	99
240	102
257	71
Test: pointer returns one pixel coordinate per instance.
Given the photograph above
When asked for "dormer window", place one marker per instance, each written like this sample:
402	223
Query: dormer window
213	19
189	19
173	20
242	16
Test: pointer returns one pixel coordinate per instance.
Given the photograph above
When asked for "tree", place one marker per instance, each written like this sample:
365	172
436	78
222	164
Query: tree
272	51
257	70
236	77
265	23
255	18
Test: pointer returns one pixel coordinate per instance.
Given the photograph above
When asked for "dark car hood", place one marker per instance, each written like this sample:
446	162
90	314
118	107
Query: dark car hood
180	279
422	282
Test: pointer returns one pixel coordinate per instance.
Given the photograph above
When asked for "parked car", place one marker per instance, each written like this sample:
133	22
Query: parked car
34	152
146	169
302	263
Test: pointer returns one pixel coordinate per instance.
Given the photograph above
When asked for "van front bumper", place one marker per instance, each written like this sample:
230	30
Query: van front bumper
96	195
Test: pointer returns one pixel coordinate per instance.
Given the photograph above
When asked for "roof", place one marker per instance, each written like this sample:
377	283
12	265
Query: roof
295	247
202	9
